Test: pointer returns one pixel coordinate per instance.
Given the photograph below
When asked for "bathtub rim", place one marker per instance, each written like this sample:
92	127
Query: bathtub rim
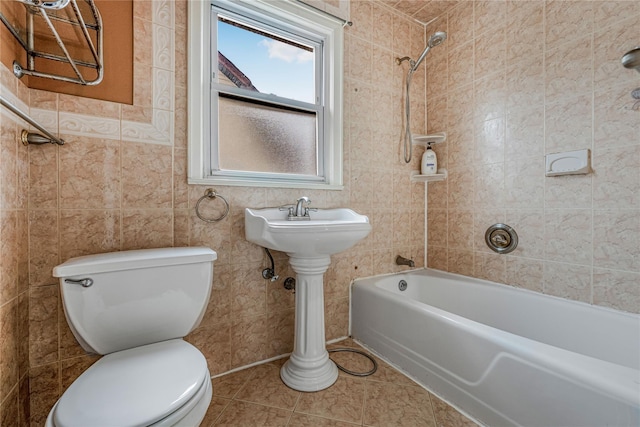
510	288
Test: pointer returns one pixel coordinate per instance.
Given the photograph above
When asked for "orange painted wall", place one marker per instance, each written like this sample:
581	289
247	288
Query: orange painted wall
117	85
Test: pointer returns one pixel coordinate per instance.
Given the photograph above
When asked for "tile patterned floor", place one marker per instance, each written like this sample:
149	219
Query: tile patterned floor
257	397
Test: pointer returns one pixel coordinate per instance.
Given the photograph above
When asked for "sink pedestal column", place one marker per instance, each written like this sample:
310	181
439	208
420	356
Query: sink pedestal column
309	367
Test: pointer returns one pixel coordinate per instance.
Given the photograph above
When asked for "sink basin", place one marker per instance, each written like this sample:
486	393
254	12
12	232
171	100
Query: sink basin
328	232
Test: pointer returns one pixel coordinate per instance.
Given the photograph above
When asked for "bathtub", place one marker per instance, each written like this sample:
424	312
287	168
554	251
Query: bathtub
504	356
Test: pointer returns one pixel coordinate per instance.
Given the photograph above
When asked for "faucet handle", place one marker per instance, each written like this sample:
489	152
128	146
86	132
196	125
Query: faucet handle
288	208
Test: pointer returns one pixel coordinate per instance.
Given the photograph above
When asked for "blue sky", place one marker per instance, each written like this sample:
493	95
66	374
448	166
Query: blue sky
273	66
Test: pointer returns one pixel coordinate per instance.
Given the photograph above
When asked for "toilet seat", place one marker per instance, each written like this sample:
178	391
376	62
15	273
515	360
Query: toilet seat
151	385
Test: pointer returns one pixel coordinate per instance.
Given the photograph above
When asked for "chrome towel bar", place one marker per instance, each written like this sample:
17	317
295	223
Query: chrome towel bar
30	137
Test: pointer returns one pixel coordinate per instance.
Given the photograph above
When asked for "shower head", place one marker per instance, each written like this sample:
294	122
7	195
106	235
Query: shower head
435	40
631	59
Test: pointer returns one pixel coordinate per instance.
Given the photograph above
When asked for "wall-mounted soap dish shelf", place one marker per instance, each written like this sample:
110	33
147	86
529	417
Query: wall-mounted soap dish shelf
440	176
429	139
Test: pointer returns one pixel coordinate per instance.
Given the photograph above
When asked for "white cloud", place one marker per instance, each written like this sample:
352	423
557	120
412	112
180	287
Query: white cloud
286	52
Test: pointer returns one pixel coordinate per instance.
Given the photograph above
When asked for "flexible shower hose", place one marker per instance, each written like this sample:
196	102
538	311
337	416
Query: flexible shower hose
353	350
408	144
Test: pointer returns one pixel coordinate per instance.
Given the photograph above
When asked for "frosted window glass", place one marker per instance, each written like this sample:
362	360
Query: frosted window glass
255	137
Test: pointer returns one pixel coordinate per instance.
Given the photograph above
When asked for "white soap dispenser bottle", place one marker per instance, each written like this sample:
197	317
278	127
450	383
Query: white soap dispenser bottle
429	164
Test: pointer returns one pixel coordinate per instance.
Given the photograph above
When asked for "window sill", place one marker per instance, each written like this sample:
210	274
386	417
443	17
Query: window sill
263	183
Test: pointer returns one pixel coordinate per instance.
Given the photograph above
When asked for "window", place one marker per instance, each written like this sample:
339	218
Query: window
265	94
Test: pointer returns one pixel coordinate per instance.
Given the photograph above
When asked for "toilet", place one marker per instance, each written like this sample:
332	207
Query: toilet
134	307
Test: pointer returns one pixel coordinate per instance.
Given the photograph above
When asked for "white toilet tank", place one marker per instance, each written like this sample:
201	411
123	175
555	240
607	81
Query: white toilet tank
137	297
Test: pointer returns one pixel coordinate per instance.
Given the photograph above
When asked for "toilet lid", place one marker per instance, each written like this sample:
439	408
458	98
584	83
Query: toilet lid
135	387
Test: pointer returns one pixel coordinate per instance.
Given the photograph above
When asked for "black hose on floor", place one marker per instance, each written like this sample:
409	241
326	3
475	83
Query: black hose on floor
353	350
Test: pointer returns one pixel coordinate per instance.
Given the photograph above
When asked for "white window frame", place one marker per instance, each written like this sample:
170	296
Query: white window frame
201	114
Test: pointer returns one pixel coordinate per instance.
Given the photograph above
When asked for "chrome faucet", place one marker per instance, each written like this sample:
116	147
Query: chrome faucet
400	260
300	210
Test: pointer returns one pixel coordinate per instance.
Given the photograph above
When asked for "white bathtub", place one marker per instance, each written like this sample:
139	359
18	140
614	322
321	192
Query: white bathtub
505	356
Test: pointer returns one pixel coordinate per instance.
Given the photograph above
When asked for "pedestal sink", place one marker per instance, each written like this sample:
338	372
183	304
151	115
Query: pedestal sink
309	245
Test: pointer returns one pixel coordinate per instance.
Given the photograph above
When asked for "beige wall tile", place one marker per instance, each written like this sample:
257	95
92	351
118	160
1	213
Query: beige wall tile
280	332
524	183
489	16
249	340
84	232
146	176
615	239
9	408
43	177
8	255
566	20
214	341
610	43
616	289
568	124
461	25
9	369
525	30
90	174
525	273
489	266
147	228
71	369
44	383
568	281
568	235
614	122
616	178
529	225
568	69
490	52
336	319
43	246
43	325
461	65
524	133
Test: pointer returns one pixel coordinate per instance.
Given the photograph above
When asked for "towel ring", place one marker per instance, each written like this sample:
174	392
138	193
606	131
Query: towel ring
211	194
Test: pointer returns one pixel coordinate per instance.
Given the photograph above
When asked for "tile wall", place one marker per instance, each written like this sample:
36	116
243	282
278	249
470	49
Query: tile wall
514	81
119	183
14	262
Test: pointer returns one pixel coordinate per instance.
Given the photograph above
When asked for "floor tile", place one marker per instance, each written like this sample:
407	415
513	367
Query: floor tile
302	420
216	407
256	396
228	385
447	416
389	404
342	401
265	387
244	414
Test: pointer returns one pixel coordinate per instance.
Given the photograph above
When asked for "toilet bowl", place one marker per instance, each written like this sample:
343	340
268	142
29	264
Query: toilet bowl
135	311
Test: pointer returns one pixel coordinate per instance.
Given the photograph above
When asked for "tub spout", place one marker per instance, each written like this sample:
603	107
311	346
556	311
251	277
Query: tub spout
400	260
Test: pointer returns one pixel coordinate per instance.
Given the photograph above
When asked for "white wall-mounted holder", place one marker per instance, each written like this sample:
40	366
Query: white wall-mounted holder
568	163
440	176
424	140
